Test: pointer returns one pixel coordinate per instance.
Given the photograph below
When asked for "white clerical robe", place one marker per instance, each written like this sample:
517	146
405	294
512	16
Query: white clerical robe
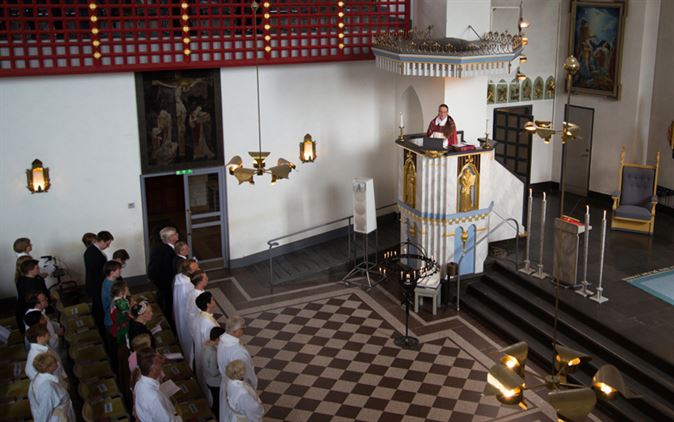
230	349
31	372
49	401
182	289
202	333
150	404
243	400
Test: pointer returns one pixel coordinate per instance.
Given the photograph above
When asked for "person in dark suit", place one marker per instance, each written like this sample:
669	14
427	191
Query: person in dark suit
161	269
94	260
28	283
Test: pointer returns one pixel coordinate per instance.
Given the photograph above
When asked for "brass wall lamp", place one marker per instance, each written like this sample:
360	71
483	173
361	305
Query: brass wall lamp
38	177
307	149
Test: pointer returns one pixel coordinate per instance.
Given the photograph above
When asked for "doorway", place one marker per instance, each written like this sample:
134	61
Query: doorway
579	150
192	201
513	144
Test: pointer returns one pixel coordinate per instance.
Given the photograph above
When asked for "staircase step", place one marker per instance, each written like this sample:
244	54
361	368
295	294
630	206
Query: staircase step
520	314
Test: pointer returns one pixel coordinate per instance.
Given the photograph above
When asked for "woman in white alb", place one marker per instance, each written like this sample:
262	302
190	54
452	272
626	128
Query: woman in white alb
242	400
49	400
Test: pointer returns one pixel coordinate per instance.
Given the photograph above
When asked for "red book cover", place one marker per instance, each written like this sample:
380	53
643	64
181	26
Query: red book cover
571	220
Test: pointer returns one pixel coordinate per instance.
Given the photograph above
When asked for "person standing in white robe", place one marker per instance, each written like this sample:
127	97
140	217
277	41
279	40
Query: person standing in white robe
204	323
150	403
199	280
231	349
38	336
242	400
49	400
182	286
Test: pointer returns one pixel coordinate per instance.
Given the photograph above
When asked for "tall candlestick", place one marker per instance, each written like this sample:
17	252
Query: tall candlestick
527	268
584	291
598	297
401	127
540	274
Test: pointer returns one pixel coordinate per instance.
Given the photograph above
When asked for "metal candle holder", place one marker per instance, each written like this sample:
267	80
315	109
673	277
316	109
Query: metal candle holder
527	267
397	265
598	297
583	291
540	274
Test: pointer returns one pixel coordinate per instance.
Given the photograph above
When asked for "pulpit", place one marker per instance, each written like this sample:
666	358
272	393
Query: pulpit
565	259
445	201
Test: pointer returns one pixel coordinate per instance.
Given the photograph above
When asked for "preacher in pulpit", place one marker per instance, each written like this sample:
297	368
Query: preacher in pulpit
443	126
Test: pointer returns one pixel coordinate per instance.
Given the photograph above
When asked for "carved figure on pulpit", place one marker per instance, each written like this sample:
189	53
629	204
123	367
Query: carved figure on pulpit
468	188
410	180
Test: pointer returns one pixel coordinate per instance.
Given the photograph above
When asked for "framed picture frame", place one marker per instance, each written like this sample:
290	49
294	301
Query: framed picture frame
596	40
179	120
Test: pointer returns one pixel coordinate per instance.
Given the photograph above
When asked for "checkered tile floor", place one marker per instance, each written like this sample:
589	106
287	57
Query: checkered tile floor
334	359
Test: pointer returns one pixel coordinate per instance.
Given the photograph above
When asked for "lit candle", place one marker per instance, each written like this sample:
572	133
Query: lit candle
402	122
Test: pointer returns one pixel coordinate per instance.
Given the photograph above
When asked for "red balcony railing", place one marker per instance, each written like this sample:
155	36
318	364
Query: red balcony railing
83	36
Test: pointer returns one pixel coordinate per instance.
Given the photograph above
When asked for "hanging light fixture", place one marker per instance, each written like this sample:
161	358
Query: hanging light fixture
38	177
522	24
235	167
307	149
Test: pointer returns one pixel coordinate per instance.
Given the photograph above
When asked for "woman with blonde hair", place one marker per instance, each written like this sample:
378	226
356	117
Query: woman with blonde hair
242	400
49	400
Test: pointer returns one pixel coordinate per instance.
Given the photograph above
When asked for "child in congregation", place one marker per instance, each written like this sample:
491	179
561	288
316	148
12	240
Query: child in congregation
211	371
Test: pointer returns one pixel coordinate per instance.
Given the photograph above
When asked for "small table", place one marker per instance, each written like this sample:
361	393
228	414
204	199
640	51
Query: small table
428	286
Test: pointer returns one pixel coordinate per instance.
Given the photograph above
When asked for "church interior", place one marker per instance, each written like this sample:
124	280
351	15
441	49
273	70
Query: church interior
413	210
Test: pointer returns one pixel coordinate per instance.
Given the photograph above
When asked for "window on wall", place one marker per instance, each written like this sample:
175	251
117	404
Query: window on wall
40	37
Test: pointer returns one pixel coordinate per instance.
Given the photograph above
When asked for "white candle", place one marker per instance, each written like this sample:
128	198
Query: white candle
486	128
601	258
402	122
530	209
587	245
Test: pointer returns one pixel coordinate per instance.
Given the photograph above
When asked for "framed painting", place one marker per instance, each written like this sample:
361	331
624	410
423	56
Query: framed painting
179	120
596	40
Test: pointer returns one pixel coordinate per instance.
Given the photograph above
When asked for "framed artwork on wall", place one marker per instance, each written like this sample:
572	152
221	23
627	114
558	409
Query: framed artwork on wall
596	40
179	120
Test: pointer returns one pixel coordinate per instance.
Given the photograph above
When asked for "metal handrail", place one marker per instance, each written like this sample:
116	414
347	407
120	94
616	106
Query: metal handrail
274	242
474	245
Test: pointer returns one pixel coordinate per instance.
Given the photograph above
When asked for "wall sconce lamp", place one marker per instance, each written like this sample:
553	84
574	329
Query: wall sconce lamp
38	177
307	149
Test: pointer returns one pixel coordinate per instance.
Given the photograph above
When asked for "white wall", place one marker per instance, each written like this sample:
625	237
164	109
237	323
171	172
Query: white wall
84	128
622	122
663	93
541	52
349	109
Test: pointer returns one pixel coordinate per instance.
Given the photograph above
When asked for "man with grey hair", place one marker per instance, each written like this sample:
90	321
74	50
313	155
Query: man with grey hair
161	269
231	349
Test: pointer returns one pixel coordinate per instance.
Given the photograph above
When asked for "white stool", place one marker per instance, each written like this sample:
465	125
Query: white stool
428	286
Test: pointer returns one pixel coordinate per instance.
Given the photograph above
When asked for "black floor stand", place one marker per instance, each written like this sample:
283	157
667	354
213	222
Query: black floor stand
407	341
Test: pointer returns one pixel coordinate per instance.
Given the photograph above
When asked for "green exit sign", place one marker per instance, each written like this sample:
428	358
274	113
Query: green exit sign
181	172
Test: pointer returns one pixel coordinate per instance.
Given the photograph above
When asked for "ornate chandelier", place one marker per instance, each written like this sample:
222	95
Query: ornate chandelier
283	167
